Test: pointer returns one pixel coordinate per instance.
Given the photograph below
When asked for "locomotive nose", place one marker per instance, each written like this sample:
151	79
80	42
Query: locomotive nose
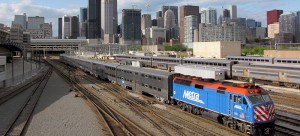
264	112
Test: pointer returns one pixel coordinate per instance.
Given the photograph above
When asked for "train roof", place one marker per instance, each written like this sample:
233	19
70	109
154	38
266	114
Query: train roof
292	59
273	66
209	60
129	68
248	57
237	88
169	58
200	67
111	65
154	72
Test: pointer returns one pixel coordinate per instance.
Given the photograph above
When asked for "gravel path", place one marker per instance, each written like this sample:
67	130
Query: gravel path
60	113
9	109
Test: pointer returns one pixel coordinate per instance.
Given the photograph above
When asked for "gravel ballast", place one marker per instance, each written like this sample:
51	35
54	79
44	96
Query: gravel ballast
59	112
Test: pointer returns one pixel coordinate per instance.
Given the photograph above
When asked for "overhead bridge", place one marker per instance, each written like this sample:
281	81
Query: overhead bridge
57	45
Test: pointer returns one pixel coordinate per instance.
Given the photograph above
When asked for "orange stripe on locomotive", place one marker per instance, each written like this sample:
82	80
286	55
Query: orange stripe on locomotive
237	88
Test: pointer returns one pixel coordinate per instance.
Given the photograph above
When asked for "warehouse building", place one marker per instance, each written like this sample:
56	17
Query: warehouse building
218	49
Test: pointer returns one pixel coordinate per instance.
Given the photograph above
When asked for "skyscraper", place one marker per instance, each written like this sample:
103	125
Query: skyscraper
21	20
251	23
273	16
83	14
154	22
186	10
287	24
131	27
59	28
35	22
226	15
94	19
169	19
174	9
109	20
70	27
233	12
190	24
83	22
158	14
242	21
209	16
160	22
146	22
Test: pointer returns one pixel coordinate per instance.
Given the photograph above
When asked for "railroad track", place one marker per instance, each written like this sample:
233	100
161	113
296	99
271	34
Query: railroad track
22	119
115	122
287	123
149	115
141	111
140	107
12	92
175	124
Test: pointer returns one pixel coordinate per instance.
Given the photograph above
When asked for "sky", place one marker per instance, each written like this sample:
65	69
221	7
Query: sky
53	9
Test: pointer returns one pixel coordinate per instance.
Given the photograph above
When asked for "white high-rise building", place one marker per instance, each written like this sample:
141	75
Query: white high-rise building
209	16
190	24
169	19
146	22
109	20
233	12
21	20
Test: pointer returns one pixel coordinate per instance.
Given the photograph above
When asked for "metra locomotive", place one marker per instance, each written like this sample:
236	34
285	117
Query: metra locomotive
245	107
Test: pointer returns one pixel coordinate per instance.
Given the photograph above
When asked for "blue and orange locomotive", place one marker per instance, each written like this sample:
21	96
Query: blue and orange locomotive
245	107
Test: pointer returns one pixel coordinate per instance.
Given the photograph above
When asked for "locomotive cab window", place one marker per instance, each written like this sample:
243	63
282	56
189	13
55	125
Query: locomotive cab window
238	99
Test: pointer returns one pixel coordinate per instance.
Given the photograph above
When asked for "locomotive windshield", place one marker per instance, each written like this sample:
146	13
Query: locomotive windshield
259	99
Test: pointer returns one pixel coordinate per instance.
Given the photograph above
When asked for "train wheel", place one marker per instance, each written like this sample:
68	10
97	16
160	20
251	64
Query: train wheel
183	107
173	102
195	111
189	108
220	119
295	86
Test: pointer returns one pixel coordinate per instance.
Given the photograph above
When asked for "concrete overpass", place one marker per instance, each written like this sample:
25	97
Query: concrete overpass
9	49
56	45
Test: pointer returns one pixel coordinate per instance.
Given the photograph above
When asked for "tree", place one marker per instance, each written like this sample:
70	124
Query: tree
176	47
254	51
135	47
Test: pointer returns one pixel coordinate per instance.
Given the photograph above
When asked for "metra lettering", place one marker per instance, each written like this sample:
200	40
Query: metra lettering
192	96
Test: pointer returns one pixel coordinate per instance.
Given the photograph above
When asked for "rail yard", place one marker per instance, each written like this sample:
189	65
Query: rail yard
130	100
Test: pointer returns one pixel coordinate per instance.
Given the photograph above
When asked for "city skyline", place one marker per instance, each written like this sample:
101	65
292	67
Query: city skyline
255	9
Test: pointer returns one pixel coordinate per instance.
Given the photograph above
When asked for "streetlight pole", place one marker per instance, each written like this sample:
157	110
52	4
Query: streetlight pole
12	66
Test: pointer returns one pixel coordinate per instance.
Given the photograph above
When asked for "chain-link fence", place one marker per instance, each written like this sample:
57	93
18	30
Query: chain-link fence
8	83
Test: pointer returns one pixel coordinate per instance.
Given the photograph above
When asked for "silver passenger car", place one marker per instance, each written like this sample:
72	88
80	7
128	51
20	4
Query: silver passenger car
155	82
269	74
250	59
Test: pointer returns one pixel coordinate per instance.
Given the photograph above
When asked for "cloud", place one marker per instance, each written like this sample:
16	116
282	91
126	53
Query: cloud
26	2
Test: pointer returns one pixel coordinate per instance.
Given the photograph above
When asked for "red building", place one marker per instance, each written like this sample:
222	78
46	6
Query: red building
273	16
